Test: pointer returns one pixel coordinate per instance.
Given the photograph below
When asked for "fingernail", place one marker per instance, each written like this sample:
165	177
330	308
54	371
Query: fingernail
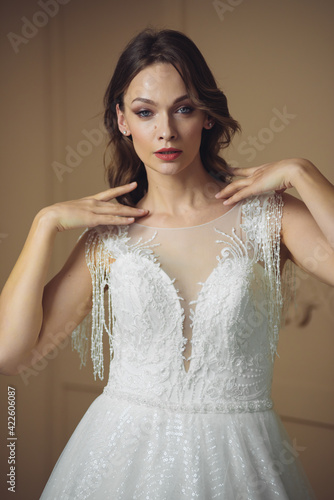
142	210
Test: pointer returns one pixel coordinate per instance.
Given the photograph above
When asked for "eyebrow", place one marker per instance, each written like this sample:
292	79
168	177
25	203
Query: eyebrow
149	101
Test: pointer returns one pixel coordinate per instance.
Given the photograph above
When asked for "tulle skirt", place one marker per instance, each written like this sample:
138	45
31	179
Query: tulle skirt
125	451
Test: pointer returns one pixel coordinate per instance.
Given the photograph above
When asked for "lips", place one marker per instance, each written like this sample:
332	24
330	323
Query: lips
168	154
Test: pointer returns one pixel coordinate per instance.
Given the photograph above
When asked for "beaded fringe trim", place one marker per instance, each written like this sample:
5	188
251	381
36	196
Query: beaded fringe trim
100	318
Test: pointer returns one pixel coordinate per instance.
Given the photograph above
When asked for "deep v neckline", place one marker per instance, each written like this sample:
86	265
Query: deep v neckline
145	249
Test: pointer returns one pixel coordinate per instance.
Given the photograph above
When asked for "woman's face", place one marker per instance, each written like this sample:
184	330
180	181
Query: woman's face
158	114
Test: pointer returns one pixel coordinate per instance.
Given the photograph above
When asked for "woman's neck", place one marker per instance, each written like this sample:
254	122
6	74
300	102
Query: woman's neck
181	196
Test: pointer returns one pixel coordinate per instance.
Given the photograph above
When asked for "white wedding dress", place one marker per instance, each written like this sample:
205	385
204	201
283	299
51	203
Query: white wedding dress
192	316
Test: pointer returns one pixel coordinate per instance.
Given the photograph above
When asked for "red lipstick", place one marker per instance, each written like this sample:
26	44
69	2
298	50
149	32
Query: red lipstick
168	154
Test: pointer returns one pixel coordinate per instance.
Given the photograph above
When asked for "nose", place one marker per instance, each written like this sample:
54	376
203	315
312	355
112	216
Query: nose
165	128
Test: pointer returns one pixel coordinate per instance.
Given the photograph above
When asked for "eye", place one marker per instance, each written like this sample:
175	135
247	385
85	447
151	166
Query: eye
184	110
143	113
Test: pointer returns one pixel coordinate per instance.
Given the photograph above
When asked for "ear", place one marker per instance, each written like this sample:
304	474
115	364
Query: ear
122	125
209	123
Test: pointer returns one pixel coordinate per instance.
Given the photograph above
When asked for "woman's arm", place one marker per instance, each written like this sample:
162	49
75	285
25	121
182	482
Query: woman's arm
34	318
307	226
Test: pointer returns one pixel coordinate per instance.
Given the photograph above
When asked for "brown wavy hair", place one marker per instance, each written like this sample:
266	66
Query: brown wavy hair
165	46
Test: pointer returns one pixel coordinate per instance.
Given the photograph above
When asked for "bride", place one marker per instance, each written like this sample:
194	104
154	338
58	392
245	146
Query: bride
173	210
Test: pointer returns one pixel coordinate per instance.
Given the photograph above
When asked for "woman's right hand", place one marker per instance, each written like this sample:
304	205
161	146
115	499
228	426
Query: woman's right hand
91	211
45	310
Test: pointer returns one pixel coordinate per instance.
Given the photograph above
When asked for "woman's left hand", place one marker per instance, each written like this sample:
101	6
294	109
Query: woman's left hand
276	176
307	224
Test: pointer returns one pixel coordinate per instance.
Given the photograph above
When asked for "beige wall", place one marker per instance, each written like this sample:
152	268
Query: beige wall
269	56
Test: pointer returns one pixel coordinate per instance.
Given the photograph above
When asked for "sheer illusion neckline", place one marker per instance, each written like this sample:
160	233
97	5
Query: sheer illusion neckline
188	227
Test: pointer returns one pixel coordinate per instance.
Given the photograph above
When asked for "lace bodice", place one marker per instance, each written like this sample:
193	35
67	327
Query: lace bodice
192	314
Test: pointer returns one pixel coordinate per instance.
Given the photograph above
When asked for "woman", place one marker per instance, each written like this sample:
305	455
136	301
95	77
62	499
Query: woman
191	267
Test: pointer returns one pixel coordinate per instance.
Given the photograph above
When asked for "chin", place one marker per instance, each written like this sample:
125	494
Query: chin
170	170
165	168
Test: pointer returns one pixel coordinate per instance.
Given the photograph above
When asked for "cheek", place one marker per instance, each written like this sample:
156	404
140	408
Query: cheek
142	142
140	136
193	132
